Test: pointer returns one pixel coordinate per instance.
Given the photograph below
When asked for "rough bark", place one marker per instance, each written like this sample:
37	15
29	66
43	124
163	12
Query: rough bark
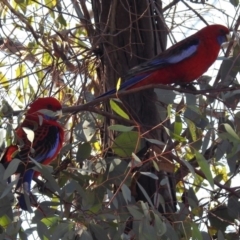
130	32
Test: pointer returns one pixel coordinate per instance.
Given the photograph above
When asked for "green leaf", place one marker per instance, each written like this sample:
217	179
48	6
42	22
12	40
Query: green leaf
39	165
158	199
20	71
100	166
135	162
40	75
145	194
113	199
206	140
86	235
44	170
50	221
13	229
220	218
126	143
192	129
4	81
196	234
84	151
119	81
188	165
146	231
126	193
195	109
116	108
204	167
19	1
43	228
145	209
50	3
6	109
12	168
177	137
98	232
26	83
61	20
46	59
117	170
61	230
149	174
233	206
5	221
80	190
220	235
135	211
21	4
8	189
85	130
169	110
155	165
192	198
159	225
155	141
230	130
121	128
178	125
19	94
230	66
235	3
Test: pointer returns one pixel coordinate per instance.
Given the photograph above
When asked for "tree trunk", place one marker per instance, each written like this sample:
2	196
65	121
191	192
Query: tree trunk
130	32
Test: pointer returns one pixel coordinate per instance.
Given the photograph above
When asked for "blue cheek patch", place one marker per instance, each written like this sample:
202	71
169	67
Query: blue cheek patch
221	39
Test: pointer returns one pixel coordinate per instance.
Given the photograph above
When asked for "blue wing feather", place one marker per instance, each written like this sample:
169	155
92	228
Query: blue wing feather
46	142
126	84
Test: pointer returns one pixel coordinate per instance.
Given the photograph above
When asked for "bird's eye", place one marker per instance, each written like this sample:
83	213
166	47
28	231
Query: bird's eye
222	31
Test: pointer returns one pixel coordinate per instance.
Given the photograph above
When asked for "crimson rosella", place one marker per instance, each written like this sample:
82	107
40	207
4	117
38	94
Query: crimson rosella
180	64
41	119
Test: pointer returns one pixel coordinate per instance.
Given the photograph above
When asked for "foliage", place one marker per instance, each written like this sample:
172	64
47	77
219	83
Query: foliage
50	48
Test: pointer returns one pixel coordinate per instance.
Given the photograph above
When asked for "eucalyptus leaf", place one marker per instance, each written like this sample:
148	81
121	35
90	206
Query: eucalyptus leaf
155	141
11	168
145	194
126	193
84	151
126	143
117	109
121	128
204	167
149	174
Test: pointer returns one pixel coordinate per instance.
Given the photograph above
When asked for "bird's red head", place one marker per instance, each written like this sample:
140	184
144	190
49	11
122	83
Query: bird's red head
48	106
216	31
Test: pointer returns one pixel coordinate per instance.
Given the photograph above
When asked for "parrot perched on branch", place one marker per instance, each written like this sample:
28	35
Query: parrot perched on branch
180	64
39	137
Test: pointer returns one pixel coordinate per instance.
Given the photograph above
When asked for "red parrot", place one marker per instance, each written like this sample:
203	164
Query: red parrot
180	64
41	118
